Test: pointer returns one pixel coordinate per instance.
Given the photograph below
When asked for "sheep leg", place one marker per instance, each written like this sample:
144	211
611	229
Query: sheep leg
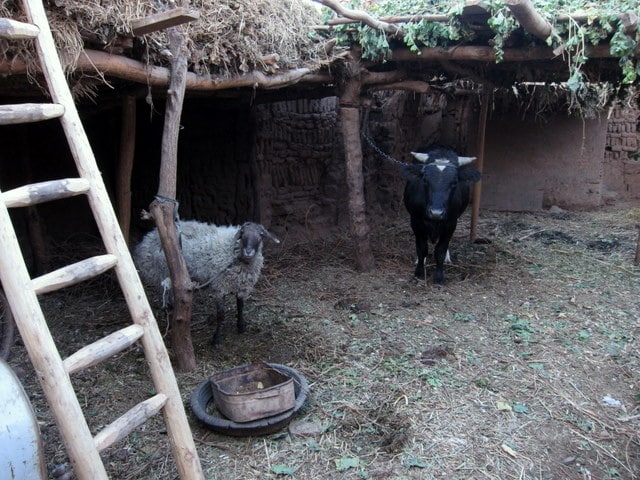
240	308
217	334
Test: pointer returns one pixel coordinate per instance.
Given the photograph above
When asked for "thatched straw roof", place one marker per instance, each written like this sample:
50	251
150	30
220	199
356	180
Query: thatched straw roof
230	37
276	43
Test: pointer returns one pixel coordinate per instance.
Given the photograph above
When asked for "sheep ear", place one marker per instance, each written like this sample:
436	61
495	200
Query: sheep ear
269	235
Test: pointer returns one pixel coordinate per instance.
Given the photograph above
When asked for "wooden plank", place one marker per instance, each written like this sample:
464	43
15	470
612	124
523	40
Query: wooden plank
14	30
163	20
35	193
29	112
102	349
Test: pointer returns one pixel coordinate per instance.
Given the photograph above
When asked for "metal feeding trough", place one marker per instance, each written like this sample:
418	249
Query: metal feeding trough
255	399
252	392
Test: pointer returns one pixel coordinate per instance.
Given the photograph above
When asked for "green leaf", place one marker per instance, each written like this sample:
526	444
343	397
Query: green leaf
282	469
346	463
575	81
415	462
434	382
536	366
520	408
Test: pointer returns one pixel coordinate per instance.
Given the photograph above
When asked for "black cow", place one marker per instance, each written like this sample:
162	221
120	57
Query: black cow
436	194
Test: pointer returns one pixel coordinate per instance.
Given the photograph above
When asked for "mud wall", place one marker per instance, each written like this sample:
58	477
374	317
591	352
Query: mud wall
301	185
532	165
622	156
530	162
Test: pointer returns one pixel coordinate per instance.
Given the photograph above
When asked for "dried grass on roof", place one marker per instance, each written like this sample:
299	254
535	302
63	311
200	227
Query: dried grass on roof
231	36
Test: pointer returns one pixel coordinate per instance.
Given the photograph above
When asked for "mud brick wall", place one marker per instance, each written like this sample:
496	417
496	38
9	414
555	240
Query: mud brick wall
621	156
302	190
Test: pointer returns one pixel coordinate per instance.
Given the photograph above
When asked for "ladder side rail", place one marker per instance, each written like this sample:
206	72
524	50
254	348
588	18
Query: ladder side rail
179	432
44	355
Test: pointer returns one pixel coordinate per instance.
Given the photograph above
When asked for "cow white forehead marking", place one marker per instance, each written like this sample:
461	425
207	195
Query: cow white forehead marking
442	163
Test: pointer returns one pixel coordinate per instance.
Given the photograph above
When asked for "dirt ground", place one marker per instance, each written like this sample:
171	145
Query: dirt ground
525	365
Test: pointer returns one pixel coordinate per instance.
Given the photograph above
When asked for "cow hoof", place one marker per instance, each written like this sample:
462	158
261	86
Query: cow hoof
438	280
419	274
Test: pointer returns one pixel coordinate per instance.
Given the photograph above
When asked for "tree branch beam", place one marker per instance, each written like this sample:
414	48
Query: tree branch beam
530	19
360	16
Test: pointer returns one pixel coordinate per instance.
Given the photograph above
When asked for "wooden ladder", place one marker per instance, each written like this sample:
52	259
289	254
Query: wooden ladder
21	290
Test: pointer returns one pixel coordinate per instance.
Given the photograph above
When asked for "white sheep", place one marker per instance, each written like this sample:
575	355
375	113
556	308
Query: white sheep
226	259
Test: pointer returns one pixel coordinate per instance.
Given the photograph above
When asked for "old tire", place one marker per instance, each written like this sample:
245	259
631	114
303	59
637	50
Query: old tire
202	399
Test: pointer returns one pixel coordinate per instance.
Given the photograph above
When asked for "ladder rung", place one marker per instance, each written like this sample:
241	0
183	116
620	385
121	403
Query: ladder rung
102	349
29	112
14	30
131	420
74	273
35	193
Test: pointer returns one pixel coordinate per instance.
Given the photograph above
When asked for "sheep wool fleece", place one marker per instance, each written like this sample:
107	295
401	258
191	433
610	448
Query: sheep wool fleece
210	251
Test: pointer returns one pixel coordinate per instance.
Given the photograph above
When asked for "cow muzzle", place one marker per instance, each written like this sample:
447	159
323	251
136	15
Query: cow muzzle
436	213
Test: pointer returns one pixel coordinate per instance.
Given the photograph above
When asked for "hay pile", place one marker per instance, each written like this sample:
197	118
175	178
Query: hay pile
231	37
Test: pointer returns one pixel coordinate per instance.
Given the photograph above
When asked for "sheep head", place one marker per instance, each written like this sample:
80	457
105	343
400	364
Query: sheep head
249	240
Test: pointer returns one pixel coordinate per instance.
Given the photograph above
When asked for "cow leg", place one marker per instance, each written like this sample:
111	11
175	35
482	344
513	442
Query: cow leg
422	250
217	333
240	308
440	252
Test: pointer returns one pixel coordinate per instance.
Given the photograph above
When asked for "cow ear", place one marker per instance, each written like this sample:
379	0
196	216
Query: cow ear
466	160
411	170
421	157
470	175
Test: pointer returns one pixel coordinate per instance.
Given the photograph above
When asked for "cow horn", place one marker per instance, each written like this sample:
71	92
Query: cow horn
466	160
421	157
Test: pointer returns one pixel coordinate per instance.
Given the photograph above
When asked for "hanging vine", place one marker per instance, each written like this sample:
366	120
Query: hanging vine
575	29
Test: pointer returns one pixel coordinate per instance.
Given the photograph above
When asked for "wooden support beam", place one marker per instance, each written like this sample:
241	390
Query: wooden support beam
408	85
163	20
359	16
530	19
477	187
125	164
487	54
124	68
349	114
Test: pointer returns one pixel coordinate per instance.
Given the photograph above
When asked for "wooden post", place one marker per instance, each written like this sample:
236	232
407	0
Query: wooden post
125	164
35	225
349	111
163	208
477	187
